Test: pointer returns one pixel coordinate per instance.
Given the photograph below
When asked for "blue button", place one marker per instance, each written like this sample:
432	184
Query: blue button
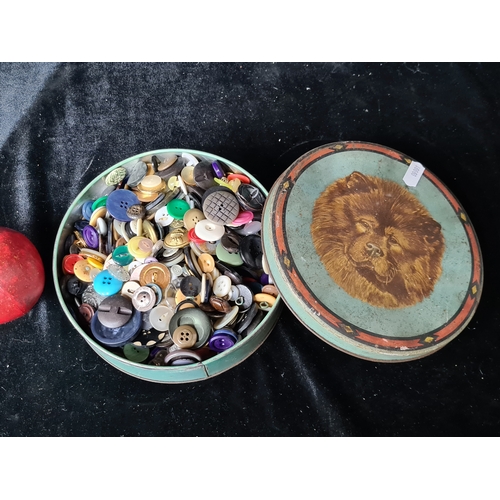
87	210
118	203
105	284
117	337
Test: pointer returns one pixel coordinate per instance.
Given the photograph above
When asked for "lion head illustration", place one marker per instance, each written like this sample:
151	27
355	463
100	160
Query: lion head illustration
377	241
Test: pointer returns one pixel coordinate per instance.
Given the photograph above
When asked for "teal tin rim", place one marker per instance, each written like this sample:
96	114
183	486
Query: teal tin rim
196	372
374	266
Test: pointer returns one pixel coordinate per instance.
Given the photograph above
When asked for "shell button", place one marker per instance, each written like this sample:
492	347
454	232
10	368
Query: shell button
115	311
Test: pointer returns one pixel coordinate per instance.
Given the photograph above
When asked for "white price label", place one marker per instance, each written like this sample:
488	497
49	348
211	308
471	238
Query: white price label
413	174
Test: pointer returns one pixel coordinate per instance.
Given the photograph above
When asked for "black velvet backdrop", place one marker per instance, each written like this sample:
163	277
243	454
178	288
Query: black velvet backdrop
62	124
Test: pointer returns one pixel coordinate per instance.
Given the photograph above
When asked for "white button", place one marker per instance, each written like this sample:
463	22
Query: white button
225	320
191	159
160	316
222	286
129	288
136	273
209	231
102	226
251	228
162	217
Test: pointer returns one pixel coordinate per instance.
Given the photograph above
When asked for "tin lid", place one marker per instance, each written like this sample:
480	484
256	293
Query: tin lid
372	252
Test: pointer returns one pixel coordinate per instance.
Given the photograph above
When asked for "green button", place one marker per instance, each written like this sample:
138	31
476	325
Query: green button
135	353
177	208
233	259
100	202
122	256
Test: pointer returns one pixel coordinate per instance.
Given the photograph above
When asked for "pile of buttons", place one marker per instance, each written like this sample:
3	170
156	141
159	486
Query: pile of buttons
166	266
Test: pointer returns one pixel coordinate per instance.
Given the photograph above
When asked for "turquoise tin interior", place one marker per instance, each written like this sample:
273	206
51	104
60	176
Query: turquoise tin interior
168	374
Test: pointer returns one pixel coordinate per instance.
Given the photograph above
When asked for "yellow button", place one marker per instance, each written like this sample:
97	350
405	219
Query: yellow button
149	231
140	247
206	262
264	298
83	271
95	263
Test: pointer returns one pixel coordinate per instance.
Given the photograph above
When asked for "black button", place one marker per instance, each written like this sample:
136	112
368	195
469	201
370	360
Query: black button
251	251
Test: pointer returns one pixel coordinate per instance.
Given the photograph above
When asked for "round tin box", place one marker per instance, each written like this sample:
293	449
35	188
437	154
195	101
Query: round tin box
372	252
197	371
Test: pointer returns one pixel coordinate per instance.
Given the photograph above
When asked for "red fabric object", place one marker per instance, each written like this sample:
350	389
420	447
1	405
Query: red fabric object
22	276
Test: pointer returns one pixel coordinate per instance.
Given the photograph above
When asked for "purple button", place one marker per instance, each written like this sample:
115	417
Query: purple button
91	237
221	340
217	169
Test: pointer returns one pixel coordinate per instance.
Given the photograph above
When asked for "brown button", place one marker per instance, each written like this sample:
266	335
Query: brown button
271	290
156	273
185	336
86	311
136	211
219	304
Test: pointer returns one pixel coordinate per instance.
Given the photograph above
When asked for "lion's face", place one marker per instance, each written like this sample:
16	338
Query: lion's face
377	241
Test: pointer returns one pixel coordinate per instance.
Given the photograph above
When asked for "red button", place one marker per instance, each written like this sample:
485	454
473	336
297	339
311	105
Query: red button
193	237
69	262
243	178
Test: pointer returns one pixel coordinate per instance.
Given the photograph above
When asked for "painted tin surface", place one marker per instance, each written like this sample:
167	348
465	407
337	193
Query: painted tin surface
376	268
168	374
